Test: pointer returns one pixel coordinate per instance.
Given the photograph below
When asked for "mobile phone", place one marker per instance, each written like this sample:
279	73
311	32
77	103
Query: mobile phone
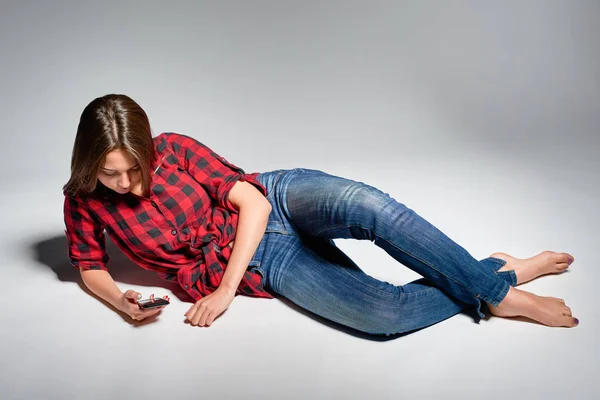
153	303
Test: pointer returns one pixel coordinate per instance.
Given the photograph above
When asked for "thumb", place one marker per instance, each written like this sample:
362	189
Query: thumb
133	295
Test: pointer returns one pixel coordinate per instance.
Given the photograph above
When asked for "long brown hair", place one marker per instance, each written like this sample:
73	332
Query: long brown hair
111	122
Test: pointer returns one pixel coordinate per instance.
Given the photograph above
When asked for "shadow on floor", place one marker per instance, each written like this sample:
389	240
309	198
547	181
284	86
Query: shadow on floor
343	328
52	252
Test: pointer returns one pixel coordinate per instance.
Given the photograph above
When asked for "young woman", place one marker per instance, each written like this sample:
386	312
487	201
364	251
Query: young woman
175	207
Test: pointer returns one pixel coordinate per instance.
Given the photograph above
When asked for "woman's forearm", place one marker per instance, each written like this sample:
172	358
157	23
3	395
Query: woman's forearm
102	285
252	222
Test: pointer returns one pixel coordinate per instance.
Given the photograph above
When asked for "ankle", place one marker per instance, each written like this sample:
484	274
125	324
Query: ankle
510	300
511	305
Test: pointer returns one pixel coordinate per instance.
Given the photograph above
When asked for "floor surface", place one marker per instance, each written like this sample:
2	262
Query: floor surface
482	117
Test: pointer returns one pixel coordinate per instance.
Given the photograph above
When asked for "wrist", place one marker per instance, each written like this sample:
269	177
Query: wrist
227	289
116	301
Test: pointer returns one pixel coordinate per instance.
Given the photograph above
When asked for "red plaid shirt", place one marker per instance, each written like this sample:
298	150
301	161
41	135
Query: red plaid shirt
181	232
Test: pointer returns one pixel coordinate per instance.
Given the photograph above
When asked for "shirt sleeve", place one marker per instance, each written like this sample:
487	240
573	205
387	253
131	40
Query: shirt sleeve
86	242
212	171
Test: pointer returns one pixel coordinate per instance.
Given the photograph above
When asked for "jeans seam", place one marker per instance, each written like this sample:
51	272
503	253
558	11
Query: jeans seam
274	184
330	227
404	251
513	276
497	261
502	295
403	294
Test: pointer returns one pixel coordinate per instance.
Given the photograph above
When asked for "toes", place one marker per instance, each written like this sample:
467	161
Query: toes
558	258
566	258
562	266
567	311
567	321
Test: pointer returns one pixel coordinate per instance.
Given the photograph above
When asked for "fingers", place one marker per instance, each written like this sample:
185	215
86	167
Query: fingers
153	311
210	319
142	314
137	313
195	313
166	297
191	313
133	295
203	317
200	315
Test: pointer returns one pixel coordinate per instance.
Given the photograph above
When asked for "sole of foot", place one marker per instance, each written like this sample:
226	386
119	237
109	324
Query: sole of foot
550	311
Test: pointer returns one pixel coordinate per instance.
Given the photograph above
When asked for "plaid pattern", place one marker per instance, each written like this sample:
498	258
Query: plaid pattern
181	232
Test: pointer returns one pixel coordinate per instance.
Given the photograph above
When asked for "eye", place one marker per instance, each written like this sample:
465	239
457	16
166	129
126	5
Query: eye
134	169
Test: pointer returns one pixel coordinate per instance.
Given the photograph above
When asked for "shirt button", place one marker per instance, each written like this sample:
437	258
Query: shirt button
154	204
187	287
173	232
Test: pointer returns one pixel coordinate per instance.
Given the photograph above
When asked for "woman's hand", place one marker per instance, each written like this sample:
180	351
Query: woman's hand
209	307
127	303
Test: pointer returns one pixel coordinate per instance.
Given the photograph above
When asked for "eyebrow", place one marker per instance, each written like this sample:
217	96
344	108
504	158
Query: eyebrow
113	170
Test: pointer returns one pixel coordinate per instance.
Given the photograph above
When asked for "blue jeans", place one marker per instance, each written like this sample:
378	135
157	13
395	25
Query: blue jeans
298	259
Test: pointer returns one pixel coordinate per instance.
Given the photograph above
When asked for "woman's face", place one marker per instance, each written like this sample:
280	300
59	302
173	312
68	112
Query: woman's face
120	172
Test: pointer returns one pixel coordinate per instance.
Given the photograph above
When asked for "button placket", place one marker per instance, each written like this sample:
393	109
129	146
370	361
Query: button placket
173	230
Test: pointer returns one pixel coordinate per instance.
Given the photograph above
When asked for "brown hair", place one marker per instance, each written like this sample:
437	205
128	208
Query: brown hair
111	122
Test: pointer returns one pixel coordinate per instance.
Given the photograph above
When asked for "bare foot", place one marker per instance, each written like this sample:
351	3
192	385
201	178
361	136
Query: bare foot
549	311
547	262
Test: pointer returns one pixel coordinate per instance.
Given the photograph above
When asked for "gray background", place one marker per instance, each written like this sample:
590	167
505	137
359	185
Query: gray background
482	116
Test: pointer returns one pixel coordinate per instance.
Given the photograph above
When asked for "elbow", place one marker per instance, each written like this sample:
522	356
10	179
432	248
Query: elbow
264	206
261	202
268	206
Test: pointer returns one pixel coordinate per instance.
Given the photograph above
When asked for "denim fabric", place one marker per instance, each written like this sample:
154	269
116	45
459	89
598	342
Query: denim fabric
298	259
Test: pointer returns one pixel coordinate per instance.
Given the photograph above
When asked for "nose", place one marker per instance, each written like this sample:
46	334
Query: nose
125	181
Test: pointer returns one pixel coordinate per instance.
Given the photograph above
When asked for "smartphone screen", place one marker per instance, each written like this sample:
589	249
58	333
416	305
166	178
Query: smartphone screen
149	303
